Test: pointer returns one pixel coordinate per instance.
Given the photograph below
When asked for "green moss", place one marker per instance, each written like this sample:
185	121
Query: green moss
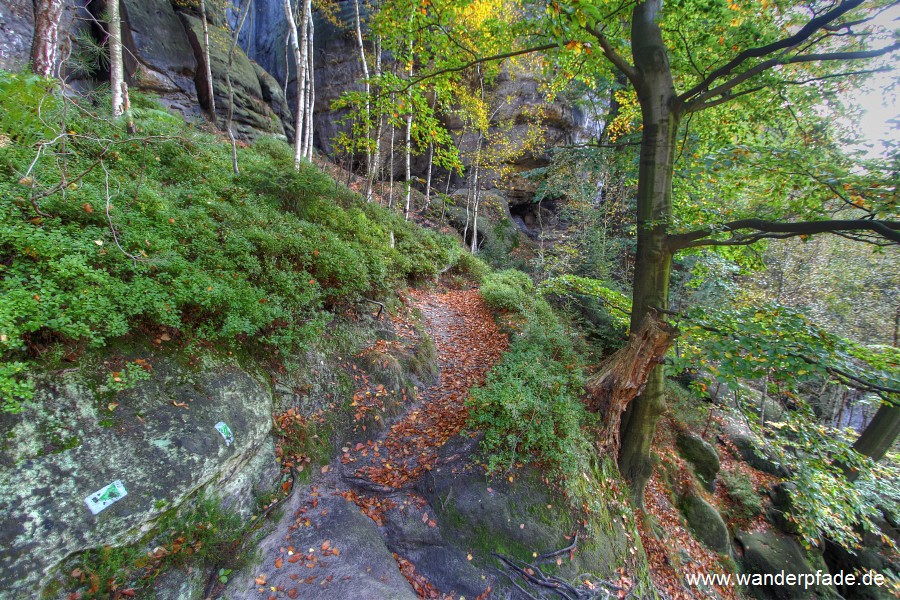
205	536
256	260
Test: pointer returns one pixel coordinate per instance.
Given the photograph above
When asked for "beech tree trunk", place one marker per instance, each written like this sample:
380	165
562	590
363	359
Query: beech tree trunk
45	45
653	260
880	434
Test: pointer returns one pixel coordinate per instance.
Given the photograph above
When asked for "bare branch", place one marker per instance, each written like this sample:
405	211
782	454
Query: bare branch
614	57
485	59
763	229
815	24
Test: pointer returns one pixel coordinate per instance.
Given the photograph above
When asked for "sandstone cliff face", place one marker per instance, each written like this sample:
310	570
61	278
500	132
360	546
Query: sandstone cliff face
164	56
16	28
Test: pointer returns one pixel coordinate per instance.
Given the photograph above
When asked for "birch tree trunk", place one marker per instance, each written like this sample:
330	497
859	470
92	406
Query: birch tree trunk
209	78
379	128
428	175
116	68
300	68
409	121
118	86
302	73
370	179
391	174
45	45
311	88
475	199
230	117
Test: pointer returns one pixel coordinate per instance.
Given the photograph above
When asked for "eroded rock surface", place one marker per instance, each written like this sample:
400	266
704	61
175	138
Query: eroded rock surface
159	439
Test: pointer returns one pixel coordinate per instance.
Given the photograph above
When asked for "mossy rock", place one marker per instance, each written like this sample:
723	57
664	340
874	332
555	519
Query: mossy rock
705	523
158	438
702	456
771	553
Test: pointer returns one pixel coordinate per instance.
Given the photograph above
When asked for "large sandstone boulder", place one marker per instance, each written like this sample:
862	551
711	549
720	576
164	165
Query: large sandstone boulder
159	57
253	115
771	553
752	451
702	456
16	31
158	439
705	523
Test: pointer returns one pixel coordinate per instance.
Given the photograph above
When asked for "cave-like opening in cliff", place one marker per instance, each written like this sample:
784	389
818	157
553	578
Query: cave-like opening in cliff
535	218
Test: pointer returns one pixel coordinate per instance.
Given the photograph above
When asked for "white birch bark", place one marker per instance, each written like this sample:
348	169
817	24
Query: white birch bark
230	116
116	66
391	174
45	44
209	78
311	88
300	68
367	90
409	121
379	129
303	77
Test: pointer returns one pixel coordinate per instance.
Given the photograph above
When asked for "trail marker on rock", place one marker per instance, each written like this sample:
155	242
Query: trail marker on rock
225	430
102	498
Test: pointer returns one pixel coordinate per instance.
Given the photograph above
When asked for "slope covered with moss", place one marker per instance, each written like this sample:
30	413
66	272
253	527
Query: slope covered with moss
103	233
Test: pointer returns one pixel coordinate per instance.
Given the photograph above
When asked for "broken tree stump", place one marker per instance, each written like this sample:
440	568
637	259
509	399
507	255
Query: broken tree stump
623	375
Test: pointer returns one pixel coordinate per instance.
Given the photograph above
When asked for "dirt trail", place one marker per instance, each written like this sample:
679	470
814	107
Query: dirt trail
340	534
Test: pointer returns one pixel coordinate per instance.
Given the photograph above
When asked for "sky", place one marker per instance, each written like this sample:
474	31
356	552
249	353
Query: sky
879	99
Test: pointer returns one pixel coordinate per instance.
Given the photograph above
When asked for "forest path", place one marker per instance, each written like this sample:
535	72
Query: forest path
343	534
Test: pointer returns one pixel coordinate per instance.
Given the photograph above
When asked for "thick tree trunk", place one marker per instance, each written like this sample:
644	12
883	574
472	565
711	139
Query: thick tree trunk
624	375
880	434
653	261
45	45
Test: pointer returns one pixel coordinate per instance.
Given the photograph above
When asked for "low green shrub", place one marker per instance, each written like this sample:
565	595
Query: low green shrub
112	233
747	502
529	407
469	265
206	536
510	290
